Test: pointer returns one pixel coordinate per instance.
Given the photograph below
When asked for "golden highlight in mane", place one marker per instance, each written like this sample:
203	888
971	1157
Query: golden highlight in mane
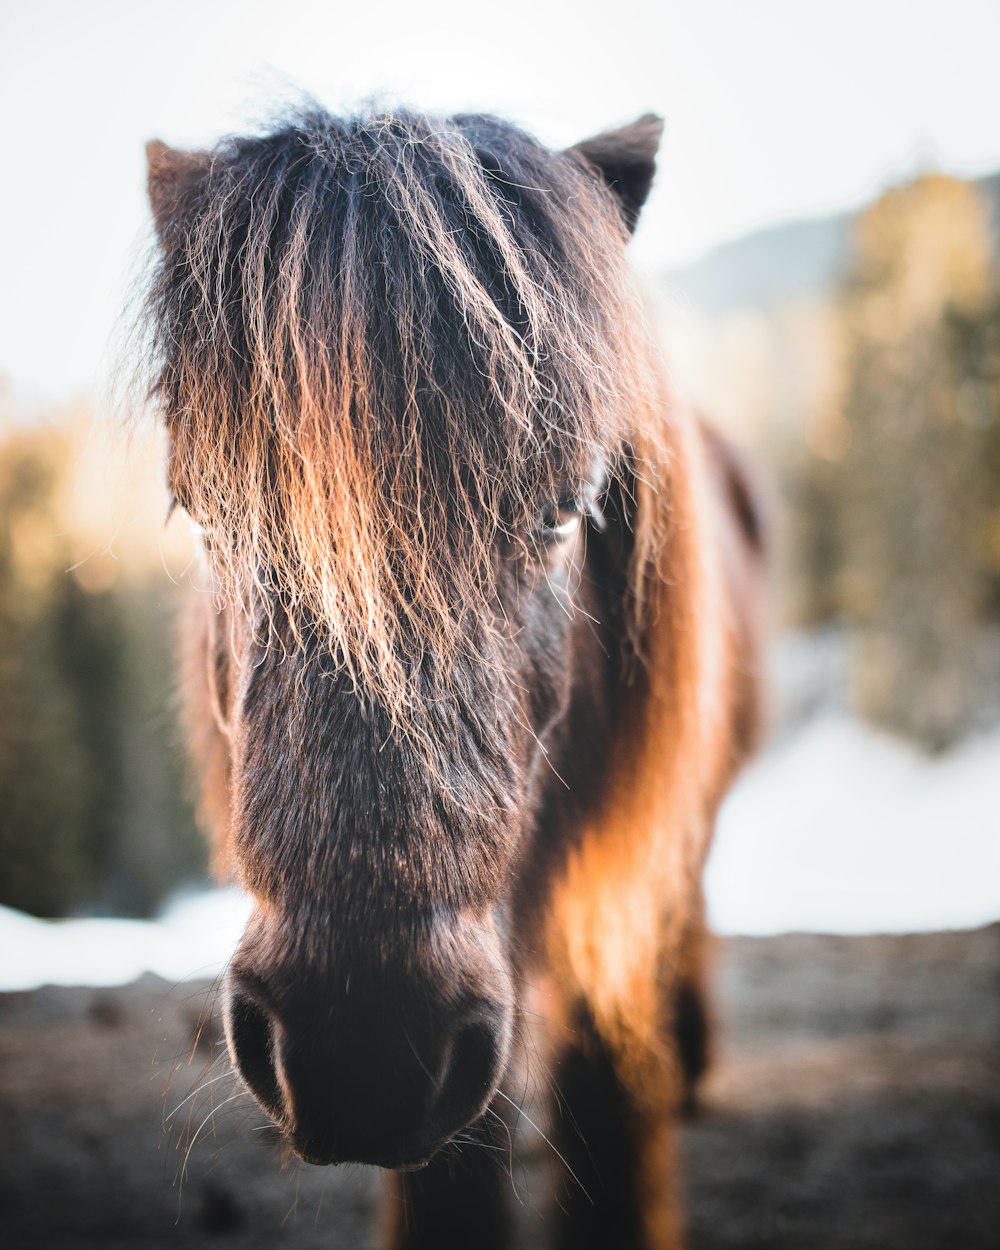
382	346
630	897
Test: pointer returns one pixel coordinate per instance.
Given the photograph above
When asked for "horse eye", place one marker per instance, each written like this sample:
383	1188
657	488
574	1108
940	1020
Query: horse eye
561	520
203	532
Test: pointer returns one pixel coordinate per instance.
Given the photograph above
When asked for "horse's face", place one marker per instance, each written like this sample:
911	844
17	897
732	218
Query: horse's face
372	999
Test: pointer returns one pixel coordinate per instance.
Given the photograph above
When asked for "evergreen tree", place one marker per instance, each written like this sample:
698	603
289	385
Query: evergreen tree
917	489
94	813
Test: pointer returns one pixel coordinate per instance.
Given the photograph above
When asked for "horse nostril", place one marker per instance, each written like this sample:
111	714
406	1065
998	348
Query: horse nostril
470	1076
250	1033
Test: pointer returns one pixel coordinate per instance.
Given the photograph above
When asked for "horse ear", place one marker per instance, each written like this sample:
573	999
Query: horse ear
170	176
626	160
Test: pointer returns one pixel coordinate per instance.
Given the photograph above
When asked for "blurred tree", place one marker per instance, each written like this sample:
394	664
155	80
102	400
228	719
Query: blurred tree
911	472
43	776
93	811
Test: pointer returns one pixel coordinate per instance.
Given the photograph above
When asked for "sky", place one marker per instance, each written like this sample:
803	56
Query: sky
775	109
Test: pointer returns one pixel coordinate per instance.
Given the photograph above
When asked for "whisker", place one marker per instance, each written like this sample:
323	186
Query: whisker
204	1085
555	1150
510	1151
242	1093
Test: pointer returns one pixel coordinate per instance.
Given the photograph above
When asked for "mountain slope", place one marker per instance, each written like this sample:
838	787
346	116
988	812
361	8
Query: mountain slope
788	263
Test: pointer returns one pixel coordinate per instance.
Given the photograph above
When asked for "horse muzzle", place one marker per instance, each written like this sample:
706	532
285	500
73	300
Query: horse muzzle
372	1061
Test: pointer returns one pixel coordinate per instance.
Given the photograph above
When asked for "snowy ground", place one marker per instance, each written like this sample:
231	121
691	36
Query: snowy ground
836	829
191	940
842	829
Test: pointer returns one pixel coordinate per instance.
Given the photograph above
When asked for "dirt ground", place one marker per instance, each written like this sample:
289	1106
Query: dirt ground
855	1102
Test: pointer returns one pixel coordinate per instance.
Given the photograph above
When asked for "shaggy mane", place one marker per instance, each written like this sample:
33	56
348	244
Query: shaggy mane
382	347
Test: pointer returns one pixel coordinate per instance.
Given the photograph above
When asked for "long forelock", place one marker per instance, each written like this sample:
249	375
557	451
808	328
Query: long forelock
381	345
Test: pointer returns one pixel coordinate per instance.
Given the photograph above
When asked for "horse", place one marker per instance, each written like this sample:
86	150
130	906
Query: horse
479	658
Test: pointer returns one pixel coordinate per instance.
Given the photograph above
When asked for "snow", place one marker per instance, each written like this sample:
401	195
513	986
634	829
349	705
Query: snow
837	829
194	937
842	829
